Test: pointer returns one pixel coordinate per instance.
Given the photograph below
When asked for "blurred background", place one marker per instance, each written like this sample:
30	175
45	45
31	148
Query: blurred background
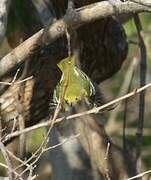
119	84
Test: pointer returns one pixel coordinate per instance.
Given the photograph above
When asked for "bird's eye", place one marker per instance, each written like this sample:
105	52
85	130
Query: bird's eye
86	77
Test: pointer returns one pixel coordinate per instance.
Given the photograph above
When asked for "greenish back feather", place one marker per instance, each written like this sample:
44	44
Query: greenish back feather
76	83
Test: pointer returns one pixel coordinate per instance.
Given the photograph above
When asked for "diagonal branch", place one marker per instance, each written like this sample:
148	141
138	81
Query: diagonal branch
81	16
91	111
140	175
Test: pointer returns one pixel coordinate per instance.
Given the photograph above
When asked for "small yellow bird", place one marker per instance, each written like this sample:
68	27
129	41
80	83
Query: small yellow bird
74	84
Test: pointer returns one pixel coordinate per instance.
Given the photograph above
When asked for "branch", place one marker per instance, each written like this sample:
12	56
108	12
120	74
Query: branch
143	67
7	178
95	110
8	161
35	157
140	175
57	29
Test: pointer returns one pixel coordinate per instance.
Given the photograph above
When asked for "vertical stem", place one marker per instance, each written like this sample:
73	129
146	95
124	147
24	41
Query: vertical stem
140	125
125	114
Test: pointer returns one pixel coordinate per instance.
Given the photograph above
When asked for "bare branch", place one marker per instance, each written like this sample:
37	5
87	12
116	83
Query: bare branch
63	142
143	67
4	178
95	110
57	29
8	161
140	175
42	150
17	82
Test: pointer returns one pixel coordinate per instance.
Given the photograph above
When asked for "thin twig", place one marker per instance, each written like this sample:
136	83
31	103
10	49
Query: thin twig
8	161
63	142
140	124
140	175
59	107
5	166
17	82
43	149
106	159
39	151
126	107
14	124
43	145
15	76
18	159
107	151
92	111
125	116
